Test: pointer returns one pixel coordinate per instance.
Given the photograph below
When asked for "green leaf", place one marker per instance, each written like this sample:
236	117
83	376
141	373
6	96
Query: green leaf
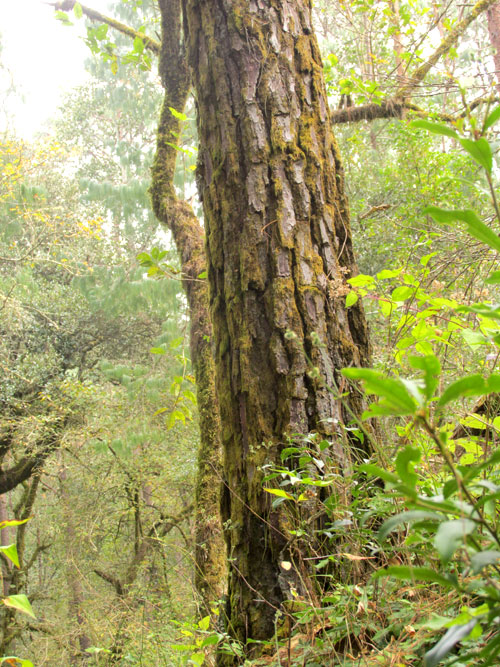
204	624
211	640
475	226
493	278
388	273
432	369
138	45
10	552
402	293
202	275
351	299
20	603
482	559
157	350
78	10
407	573
177	114
371	469
480	151
471	385
404	465
63	17
279	492
101	32
451	535
492	118
447	642
396	399
197	658
412	516
436	128
361	280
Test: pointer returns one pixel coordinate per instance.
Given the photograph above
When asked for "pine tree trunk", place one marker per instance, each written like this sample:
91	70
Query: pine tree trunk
279	251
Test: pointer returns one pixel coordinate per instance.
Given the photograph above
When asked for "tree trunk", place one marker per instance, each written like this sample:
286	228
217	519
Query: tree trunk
188	236
493	15
279	251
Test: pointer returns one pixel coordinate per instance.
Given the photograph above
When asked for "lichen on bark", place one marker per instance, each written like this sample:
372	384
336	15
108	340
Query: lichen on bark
279	250
188	236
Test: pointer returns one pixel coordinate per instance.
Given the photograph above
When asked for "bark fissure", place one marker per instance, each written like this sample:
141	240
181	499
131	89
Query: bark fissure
279	250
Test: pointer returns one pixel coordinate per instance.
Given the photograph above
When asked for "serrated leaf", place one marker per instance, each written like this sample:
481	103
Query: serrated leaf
412	516
435	128
475	226
447	642
451	535
480	151
20	603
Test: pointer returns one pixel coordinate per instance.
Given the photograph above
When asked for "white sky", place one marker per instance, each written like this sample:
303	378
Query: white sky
45	59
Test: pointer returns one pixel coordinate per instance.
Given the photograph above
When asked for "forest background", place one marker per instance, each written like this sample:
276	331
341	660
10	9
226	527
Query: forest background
111	541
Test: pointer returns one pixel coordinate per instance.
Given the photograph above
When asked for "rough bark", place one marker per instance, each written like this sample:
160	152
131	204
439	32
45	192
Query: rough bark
188	236
493	15
279	249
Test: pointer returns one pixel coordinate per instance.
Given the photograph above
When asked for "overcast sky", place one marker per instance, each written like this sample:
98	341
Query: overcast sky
44	57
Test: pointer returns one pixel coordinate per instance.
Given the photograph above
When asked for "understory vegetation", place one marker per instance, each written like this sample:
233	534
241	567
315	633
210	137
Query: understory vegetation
390	543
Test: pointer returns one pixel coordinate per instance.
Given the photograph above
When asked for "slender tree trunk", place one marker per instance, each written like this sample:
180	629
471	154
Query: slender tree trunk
188	235
279	251
5	540
80	641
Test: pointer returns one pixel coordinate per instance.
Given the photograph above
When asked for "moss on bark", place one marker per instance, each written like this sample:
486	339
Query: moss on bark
279	249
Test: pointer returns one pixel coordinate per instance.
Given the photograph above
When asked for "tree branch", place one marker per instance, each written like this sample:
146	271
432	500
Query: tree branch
395	106
149	43
421	72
